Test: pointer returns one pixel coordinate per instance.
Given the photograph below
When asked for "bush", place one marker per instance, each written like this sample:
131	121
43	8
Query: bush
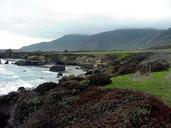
99	79
71	77
45	87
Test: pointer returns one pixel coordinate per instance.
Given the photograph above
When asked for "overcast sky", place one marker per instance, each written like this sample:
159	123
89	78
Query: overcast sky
24	22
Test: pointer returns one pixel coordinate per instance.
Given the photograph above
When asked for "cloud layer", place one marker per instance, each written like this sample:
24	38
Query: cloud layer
25	22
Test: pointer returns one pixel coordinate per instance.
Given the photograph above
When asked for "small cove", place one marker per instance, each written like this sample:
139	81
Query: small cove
12	77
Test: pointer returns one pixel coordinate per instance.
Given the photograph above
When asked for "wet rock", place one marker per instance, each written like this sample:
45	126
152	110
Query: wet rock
26	63
7	62
58	62
57	68
59	74
21	89
77	68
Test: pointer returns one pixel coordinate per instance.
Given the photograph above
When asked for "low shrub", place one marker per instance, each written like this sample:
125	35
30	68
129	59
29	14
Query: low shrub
99	79
45	87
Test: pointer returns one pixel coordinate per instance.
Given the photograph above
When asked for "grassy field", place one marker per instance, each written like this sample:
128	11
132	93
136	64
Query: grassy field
158	84
122	51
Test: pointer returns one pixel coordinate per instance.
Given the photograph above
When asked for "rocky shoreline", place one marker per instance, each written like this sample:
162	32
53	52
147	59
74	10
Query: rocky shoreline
82	101
109	64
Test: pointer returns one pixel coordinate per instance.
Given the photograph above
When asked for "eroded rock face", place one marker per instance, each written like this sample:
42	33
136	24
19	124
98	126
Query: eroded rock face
154	66
32	60
76	103
143	62
57	68
131	64
109	64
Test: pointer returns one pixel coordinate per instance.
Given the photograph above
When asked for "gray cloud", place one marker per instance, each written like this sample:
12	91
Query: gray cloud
51	19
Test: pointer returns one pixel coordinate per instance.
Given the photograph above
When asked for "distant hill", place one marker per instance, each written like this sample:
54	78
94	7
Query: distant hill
121	39
163	40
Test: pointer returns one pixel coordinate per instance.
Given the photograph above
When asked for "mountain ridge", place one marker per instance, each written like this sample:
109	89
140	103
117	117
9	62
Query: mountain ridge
119	39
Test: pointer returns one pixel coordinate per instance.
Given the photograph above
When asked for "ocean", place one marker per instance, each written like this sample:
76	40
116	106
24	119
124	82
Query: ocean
12	76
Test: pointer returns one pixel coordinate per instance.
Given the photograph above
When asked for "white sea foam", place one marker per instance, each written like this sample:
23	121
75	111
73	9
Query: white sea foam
3	71
12	77
6	87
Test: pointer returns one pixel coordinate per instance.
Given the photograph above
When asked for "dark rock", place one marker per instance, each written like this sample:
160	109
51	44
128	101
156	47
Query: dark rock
21	63
21	89
71	63
26	63
77	68
57	68
59	74
87	66
58	62
90	72
7	62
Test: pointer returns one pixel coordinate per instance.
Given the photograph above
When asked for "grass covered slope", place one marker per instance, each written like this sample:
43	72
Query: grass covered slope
157	83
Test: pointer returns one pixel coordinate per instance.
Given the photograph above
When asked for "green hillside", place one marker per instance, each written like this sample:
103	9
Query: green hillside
121	39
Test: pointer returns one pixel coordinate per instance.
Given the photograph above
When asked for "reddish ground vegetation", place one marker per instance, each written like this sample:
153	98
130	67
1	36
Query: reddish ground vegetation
75	103
119	108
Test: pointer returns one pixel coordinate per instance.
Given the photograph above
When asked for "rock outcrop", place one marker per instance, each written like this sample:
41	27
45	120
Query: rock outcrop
153	66
26	63
7	62
57	68
112	64
59	74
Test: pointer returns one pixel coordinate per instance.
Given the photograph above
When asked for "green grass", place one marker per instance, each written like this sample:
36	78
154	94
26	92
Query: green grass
117	54
158	84
112	52
109	52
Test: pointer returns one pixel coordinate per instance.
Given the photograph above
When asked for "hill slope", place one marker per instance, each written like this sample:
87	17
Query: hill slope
122	39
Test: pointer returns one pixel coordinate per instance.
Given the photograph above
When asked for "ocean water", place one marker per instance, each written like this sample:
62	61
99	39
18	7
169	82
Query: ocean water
12	77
